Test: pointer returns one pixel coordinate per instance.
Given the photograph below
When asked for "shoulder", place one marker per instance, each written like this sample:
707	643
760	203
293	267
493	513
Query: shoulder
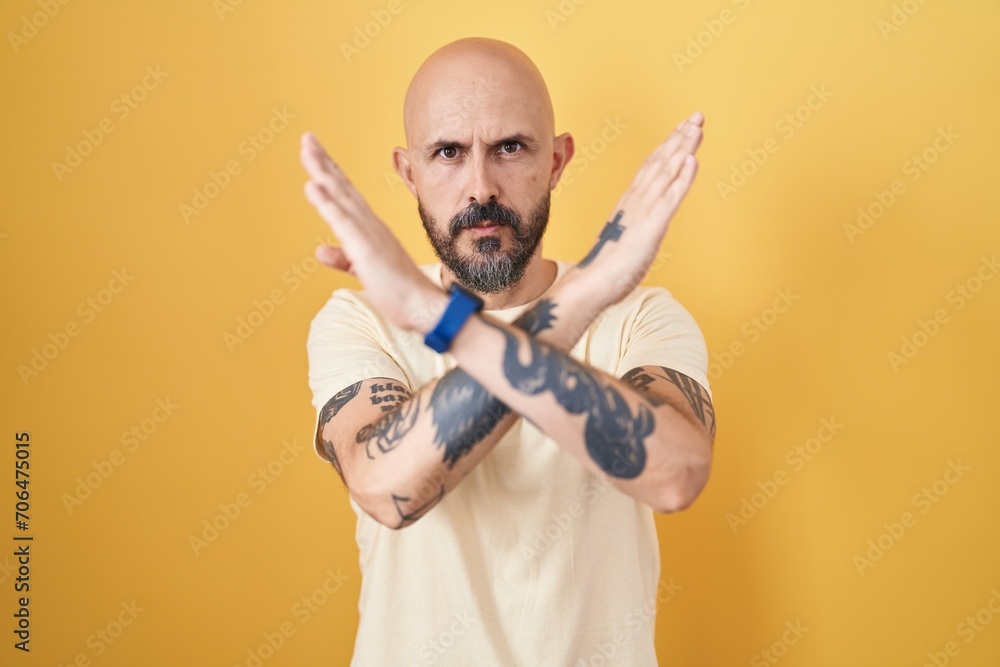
343	303
654	328
652	306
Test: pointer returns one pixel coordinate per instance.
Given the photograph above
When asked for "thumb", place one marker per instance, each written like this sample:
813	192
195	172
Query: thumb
333	257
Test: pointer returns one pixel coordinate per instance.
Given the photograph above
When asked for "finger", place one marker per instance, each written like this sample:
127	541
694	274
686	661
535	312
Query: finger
662	164
689	135
666	148
671	172
682	184
310	147
686	136
311	143
328	207
687	173
317	195
333	257
663	172
344	224
325	171
316	161
320	166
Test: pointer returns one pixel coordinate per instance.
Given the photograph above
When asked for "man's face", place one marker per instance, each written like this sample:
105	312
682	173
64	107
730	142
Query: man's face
481	155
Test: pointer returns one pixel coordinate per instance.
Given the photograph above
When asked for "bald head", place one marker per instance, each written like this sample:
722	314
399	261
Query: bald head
475	81
481	160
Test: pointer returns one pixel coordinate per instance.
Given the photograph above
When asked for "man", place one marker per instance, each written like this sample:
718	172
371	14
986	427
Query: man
533	540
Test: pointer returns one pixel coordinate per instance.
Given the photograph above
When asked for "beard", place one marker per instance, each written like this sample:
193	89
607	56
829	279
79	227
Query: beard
489	269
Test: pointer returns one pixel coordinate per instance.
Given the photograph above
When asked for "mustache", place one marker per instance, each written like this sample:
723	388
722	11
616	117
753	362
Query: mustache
477	213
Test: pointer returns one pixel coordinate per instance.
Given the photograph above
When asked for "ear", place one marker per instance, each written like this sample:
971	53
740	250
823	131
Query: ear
401	162
562	152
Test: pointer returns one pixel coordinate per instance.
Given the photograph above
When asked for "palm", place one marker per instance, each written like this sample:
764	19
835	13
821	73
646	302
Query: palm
628	243
369	250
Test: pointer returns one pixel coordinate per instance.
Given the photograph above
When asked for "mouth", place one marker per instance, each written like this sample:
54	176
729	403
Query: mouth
485	227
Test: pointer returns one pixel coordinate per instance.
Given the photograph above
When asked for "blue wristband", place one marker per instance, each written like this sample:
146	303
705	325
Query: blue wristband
460	308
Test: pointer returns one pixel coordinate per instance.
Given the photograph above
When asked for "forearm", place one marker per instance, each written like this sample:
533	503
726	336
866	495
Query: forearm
489	352
650	449
403	463
422	447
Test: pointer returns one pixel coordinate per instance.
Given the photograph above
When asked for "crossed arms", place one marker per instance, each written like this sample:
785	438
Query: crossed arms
650	432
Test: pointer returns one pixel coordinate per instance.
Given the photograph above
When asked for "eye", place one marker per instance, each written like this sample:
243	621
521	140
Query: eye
510	147
448	152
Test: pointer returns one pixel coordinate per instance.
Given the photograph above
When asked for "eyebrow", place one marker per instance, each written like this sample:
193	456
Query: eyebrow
519	137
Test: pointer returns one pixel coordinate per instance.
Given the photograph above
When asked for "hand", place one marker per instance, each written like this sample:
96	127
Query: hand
628	244
369	250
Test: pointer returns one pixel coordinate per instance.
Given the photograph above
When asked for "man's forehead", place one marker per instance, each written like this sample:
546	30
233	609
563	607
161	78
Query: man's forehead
473	86
458	109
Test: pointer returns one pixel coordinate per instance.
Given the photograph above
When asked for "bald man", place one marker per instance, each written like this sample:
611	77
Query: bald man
527	416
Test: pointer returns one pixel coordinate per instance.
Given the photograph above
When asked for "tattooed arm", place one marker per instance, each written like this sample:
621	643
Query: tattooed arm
651	432
658	453
400	453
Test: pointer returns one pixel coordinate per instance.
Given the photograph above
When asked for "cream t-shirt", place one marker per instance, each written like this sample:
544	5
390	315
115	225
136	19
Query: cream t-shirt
531	559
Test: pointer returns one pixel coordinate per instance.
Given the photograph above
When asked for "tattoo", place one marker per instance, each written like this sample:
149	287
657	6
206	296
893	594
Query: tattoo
538	319
614	437
330	410
388	395
641	380
695	394
464	413
339	400
410	510
611	232
390	428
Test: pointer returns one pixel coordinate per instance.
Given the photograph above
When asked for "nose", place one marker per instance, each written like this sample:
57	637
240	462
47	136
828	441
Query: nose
482	185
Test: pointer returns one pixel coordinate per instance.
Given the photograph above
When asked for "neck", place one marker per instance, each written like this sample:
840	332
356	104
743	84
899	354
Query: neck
538	277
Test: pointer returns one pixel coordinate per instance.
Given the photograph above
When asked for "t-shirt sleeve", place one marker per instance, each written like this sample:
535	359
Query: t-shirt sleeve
346	344
663	333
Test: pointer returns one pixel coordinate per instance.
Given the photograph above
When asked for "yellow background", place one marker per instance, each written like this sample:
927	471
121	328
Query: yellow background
162	336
